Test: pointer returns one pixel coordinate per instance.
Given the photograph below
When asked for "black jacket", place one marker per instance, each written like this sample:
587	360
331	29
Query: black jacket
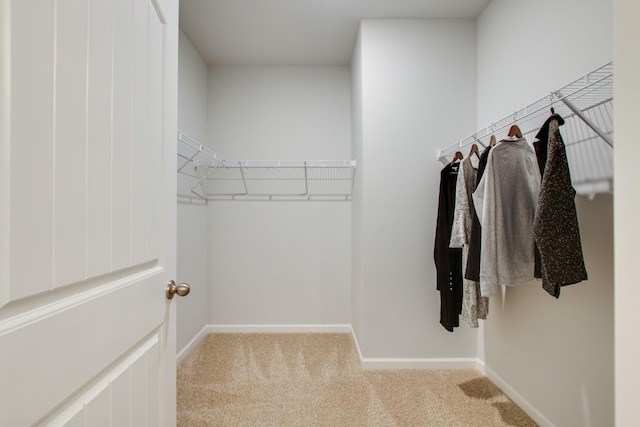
448	260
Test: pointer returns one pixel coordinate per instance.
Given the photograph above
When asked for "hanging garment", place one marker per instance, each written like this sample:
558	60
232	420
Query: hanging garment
472	268
474	306
505	202
555	225
448	261
541	144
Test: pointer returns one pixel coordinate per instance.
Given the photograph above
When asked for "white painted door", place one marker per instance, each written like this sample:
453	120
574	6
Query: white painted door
88	105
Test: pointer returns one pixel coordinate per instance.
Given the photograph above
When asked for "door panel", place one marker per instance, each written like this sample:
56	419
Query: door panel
140	132
76	339
101	159
121	398
155	78
98	410
69	141
121	142
99	132
121	401
30	124
77	421
88	91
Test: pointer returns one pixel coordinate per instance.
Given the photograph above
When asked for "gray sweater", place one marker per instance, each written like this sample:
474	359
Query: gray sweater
505	202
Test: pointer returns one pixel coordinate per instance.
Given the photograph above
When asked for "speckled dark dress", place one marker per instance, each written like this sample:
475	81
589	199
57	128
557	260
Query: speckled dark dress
555	225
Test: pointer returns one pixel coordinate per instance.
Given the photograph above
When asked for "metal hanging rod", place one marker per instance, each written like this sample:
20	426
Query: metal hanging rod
587	107
585	93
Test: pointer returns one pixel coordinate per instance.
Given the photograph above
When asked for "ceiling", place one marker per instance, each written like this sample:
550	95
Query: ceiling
297	32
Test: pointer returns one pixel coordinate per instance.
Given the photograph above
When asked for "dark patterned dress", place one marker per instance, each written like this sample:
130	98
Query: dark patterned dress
555	225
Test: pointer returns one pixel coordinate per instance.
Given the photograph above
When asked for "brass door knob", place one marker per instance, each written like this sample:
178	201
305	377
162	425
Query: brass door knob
182	289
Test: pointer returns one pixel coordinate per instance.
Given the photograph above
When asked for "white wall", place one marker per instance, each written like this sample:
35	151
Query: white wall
192	219
280	262
627	226
418	93
537	46
556	355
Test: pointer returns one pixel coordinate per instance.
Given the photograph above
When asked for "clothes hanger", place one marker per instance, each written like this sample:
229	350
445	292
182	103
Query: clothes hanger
492	141
474	150
515	131
457	156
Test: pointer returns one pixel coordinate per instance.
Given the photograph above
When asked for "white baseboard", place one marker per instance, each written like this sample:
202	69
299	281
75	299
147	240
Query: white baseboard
187	348
413	363
518	399
356	343
481	367
284	329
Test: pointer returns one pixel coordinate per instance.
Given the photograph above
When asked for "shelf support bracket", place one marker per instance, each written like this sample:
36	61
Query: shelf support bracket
201	180
244	180
306	180
188	161
585	119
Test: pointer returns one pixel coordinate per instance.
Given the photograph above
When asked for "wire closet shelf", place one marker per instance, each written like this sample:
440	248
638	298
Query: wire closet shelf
205	175
587	107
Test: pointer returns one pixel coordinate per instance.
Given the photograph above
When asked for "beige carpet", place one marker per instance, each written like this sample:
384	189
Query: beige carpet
316	380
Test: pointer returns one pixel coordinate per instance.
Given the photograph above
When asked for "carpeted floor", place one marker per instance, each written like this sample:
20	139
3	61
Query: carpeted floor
316	380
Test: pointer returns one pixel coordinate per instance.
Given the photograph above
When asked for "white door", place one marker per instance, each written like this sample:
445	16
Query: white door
87	212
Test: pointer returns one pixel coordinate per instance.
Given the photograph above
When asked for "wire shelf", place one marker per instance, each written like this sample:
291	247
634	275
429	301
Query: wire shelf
587	107
208	176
